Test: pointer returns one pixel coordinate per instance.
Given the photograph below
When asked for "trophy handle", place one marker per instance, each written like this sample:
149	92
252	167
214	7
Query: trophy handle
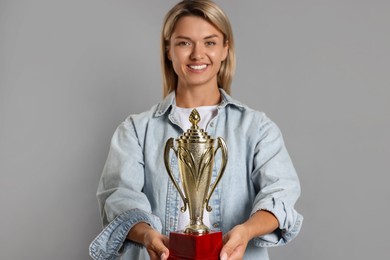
168	146
222	145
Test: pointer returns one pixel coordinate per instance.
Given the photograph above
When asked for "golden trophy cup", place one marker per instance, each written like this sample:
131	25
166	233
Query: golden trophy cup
195	152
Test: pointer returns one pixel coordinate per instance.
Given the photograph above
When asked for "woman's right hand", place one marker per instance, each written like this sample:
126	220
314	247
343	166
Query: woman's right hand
155	243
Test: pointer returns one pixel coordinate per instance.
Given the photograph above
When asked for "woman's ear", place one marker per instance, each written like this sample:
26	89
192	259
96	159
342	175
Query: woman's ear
168	53
225	50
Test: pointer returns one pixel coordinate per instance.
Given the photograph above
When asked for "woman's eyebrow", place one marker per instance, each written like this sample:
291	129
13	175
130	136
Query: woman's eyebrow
183	37
189	38
211	36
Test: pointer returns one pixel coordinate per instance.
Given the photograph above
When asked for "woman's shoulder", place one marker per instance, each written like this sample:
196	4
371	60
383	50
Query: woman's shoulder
242	109
245	111
155	112
250	120
141	117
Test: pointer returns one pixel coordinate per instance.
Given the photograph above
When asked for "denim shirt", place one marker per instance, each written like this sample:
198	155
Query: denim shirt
135	186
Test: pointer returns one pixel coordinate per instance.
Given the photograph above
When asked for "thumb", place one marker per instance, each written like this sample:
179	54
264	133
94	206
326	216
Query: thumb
163	249
227	249
225	252
164	256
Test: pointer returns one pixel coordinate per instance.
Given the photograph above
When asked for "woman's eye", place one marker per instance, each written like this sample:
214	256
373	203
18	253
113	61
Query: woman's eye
210	43
183	43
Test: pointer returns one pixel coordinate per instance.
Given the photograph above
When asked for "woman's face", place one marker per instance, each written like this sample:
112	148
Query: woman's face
196	50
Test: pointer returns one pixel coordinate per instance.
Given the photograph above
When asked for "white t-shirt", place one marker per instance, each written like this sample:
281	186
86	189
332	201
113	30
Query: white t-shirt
206	114
182	114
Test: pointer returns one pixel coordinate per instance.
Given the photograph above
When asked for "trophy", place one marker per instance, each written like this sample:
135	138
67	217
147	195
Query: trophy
195	152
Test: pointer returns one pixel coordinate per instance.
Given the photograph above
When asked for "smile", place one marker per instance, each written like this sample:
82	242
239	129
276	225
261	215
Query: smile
198	67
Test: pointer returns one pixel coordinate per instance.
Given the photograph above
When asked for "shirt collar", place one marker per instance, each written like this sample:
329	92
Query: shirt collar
169	100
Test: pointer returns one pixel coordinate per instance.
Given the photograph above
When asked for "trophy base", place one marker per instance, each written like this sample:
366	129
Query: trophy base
196	247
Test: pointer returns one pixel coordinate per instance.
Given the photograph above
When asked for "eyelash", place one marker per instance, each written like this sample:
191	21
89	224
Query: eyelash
183	43
209	43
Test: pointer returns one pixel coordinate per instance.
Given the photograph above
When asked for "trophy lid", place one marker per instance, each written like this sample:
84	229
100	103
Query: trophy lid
195	134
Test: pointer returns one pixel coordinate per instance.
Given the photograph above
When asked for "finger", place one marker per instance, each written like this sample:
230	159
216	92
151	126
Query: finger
161	249
231	243
153	255
157	247
225	238
238	253
226	251
164	256
157	256
165	240
223	256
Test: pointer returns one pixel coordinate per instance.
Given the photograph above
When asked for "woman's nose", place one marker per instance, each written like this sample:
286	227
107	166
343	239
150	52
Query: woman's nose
197	52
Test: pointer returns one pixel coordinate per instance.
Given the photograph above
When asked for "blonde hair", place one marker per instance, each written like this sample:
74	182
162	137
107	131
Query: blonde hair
209	11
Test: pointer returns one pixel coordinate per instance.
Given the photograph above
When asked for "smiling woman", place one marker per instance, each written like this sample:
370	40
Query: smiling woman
197	50
254	203
216	18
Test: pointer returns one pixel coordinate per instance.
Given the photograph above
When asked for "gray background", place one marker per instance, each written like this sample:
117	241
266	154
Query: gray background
71	71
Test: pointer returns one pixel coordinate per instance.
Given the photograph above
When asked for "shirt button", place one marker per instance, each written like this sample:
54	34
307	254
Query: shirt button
211	124
216	225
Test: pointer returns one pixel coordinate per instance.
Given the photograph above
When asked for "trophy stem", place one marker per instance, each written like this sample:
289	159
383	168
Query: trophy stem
196	227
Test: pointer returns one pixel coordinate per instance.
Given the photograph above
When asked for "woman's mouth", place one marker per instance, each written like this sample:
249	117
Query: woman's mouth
198	67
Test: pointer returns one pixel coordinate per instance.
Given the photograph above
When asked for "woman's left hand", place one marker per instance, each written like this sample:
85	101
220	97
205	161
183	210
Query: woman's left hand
235	242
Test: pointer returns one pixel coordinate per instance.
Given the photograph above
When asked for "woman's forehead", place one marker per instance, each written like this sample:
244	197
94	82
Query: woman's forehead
194	26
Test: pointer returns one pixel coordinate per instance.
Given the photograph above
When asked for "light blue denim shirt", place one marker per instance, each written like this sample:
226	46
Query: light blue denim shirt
135	186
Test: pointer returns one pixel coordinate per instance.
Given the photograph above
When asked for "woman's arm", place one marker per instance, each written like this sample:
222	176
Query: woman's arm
122	202
273	220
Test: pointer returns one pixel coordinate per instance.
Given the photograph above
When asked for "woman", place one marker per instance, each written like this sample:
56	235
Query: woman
254	202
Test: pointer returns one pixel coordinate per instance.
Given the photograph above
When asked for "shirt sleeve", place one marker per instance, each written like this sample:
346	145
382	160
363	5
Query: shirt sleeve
278	186
121	200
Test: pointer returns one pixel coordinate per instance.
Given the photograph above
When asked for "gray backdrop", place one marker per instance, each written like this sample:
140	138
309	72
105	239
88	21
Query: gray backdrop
71	71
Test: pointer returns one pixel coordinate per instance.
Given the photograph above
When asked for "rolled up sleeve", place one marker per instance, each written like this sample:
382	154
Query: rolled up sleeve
121	200
278	186
108	243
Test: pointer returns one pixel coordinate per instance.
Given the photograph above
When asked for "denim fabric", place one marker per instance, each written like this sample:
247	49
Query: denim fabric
135	186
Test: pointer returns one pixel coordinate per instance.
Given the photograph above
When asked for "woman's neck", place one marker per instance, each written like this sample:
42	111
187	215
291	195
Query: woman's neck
196	97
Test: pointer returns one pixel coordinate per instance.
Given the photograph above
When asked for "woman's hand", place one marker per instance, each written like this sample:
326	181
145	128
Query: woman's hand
235	242
155	243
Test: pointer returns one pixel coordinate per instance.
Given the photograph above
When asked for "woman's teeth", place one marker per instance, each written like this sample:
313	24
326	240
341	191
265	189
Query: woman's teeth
198	67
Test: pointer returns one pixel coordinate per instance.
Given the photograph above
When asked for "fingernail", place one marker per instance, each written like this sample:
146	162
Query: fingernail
163	256
224	256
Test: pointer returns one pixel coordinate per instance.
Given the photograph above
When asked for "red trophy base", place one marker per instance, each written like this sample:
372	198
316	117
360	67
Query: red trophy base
197	247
